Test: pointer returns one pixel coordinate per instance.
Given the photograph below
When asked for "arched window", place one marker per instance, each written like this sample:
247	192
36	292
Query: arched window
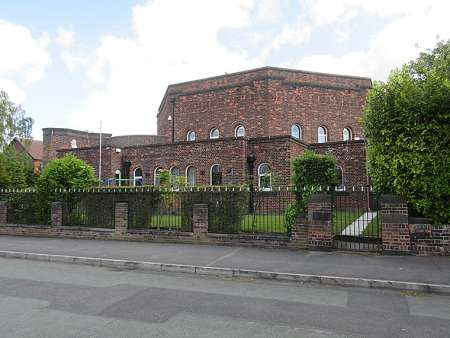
73	144
157	177
347	134
239	131
264	177
322	135
118	177
340	179
137	177
214	133
216	175
296	131
191	176
174	174
190	135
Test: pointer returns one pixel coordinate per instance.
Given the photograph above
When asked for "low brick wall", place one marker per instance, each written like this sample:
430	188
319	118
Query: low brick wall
428	239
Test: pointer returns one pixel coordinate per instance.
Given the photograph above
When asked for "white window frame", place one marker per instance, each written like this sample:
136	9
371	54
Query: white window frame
260	175
211	134
118	172
299	131
154	177
139	177
325	134
189	133
187	176
211	172
350	134
236	131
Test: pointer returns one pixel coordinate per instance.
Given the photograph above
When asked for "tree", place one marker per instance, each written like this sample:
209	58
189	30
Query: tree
68	172
13	121
407	123
16	171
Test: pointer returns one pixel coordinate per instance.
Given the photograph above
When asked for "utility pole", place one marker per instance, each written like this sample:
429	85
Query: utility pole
100	155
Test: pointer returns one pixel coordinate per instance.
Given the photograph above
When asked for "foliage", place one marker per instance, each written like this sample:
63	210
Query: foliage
407	123
311	172
13	121
226	209
16	170
164	178
291	214
67	173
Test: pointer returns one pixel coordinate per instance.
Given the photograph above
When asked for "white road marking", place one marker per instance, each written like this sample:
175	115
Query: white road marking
224	256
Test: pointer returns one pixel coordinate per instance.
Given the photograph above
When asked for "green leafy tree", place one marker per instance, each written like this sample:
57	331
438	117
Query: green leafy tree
68	172
16	171
13	121
407	123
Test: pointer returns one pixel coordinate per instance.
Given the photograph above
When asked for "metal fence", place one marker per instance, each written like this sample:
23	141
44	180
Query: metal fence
26	207
356	219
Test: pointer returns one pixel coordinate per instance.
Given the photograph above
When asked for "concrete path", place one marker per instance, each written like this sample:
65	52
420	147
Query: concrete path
434	270
360	224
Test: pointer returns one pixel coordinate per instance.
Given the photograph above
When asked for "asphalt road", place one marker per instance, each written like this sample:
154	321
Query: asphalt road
40	299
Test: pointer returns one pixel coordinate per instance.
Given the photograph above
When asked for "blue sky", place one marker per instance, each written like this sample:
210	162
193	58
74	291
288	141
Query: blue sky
74	63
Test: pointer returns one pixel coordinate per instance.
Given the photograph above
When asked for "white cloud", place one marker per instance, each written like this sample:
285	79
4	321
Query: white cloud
393	46
16	94
23	55
292	35
64	37
174	40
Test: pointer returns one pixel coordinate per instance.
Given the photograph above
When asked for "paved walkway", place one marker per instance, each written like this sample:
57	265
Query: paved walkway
434	270
360	224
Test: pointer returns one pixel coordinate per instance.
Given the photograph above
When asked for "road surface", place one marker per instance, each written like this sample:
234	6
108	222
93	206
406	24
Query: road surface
41	299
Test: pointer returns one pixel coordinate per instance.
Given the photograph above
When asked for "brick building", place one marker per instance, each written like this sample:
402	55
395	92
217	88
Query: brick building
215	130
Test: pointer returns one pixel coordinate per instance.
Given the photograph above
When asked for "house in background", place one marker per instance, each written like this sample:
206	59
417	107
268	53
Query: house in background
32	148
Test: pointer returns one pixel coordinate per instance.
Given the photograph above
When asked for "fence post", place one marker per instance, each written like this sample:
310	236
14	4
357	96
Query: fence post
395	234
56	214
320	228
3	212
121	218
299	235
200	221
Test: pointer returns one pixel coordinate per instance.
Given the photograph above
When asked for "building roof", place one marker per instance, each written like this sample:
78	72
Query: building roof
34	148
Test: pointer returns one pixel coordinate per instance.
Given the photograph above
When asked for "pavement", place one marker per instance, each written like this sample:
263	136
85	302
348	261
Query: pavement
430	270
55	300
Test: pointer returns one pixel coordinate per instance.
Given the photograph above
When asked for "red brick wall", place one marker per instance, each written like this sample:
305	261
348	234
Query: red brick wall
59	138
267	102
351	157
228	153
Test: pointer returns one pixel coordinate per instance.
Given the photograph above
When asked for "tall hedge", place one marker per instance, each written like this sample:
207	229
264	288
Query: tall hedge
407	123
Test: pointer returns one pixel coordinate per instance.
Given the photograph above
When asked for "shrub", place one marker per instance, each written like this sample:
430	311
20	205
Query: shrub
312	171
407	125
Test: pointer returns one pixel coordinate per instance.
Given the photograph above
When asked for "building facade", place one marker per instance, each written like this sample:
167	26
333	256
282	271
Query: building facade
234	128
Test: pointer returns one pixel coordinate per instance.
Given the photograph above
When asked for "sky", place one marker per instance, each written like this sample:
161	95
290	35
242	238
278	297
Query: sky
72	64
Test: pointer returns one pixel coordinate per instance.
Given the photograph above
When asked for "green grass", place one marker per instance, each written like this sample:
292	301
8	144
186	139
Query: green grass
264	223
372	228
342	219
166	221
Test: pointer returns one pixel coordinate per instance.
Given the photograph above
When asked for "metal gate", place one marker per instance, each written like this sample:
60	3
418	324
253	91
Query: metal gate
356	220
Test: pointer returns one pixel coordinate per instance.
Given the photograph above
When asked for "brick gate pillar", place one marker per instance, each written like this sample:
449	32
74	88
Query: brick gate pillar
299	235
395	229
3	212
120	218
200	221
320	229
56	214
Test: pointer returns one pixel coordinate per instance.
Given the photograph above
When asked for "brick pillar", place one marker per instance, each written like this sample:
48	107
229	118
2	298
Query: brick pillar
200	221
121	218
395	229
3	212
56	216
320	230
299	235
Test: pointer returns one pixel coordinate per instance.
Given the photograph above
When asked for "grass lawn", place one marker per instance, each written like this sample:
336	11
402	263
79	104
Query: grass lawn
372	228
273	223
342	219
